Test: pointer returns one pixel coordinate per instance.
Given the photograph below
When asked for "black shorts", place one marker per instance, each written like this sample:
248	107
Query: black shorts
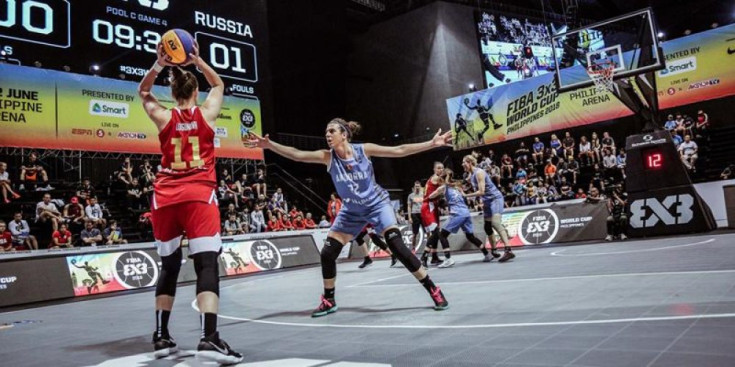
415	222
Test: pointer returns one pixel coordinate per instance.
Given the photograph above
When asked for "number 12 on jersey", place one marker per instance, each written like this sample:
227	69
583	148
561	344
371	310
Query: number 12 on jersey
180	146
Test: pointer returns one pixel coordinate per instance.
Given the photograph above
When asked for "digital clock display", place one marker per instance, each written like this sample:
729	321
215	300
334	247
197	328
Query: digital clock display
120	36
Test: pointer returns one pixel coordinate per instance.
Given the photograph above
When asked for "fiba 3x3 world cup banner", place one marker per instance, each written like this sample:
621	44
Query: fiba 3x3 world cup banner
57	110
698	68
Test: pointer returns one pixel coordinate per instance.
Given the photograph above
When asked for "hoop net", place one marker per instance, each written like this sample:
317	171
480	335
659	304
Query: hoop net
602	75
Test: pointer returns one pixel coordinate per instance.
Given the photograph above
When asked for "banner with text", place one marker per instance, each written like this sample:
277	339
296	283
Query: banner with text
57	110
110	272
251	256
698	68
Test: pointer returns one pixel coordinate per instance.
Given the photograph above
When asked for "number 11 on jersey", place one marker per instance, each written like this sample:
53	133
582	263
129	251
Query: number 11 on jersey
180	145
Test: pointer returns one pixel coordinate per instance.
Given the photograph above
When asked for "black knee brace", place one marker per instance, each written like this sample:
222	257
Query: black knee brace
443	240
360	238
403	254
474	240
488	228
330	253
170	266
378	242
444	234
207	269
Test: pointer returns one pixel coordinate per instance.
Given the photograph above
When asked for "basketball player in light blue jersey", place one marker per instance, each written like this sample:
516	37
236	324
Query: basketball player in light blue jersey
459	216
363	200
492	205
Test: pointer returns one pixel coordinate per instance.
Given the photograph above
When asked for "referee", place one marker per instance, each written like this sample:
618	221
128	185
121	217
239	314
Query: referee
415	199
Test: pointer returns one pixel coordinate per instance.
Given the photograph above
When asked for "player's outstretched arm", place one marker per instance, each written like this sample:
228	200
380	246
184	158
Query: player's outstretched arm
316	156
439	140
159	114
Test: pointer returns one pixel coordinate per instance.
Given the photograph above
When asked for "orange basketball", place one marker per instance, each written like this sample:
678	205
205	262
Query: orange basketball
178	44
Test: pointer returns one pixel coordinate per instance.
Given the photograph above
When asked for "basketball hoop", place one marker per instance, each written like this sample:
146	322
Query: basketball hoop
602	75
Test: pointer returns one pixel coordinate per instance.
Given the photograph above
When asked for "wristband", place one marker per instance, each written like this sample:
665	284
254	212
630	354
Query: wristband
157	67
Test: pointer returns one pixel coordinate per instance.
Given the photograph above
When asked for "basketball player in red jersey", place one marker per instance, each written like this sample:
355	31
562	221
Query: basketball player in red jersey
184	200
430	216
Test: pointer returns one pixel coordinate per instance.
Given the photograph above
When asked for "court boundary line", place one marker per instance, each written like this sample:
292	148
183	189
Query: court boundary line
559	253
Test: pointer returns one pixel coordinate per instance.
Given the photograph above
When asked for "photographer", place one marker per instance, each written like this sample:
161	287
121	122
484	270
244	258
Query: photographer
617	221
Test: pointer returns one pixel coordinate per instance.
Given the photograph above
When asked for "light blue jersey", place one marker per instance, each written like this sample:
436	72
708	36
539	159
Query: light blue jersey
455	200
354	179
491	191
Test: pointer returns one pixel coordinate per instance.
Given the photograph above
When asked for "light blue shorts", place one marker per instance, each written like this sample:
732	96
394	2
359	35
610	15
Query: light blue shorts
492	207
455	222
352	220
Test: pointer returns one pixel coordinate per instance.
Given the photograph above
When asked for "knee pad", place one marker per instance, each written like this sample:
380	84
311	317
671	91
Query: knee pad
378	242
207	268
330	253
444	234
403	254
170	266
488	228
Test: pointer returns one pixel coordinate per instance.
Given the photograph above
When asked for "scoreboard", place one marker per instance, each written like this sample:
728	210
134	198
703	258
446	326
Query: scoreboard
120	36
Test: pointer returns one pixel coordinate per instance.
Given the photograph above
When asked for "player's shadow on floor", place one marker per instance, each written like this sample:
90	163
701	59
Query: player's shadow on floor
117	348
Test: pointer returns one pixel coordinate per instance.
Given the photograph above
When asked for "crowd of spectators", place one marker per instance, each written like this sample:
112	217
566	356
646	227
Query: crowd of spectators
685	132
511	30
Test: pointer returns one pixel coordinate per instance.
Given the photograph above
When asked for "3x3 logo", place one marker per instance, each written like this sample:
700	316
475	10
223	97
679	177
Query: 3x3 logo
661	211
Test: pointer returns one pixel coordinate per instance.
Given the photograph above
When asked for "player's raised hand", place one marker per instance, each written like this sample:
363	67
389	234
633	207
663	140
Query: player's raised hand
163	58
441	140
193	56
256	141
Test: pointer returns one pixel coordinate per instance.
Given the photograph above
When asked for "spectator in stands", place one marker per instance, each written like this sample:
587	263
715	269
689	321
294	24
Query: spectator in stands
585	151
484	162
542	191
598	177
226	194
676	139
21	233
5	184
596	147
232	226
125	173
521	174
609	162
555	145
260	185
490	156
617	220
324	223
519	191
538	150
552	193
568	144
572	169
580	194
727	173
532	173
257	220
61	238
608	143
113	234
274	225
47	211
506	166
226	175
550	172
702	122
333	207
494	172
134	195
295	211
298	223
680	128
94	213
144	225
594	195
245	220
29	173
74	213
90	236
670	123
689	125
309	221
521	155
284	221
565	190
531	194
688	151
231	210
85	191
147	176
6	238
621	162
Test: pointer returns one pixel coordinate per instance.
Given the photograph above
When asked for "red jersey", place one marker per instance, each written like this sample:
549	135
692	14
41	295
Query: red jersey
62	236
430	187
6	240
187	145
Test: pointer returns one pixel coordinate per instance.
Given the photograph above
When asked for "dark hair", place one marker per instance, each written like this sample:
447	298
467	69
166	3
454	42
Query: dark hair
183	84
352	128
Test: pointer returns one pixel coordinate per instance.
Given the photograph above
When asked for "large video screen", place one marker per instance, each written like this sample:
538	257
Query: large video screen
514	48
120	36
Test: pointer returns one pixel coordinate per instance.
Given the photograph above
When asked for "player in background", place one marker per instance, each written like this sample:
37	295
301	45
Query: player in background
184	200
492	205
369	230
430	217
413	208
364	201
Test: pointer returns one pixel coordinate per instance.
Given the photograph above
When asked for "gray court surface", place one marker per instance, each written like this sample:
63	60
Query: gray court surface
656	302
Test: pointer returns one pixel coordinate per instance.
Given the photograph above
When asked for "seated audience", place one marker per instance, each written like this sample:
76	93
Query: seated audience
5	184
21	233
6	238
113	234
47	211
61	238
94	213
90	235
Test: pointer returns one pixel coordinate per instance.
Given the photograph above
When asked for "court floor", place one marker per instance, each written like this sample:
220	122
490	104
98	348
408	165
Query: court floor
655	302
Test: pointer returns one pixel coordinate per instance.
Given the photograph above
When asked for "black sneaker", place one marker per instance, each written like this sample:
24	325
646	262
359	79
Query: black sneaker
163	346
326	307
214	349
507	256
440	302
424	263
495	253
393	261
435	261
367	262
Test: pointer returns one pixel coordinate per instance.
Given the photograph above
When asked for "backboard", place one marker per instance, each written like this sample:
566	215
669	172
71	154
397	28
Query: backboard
629	41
